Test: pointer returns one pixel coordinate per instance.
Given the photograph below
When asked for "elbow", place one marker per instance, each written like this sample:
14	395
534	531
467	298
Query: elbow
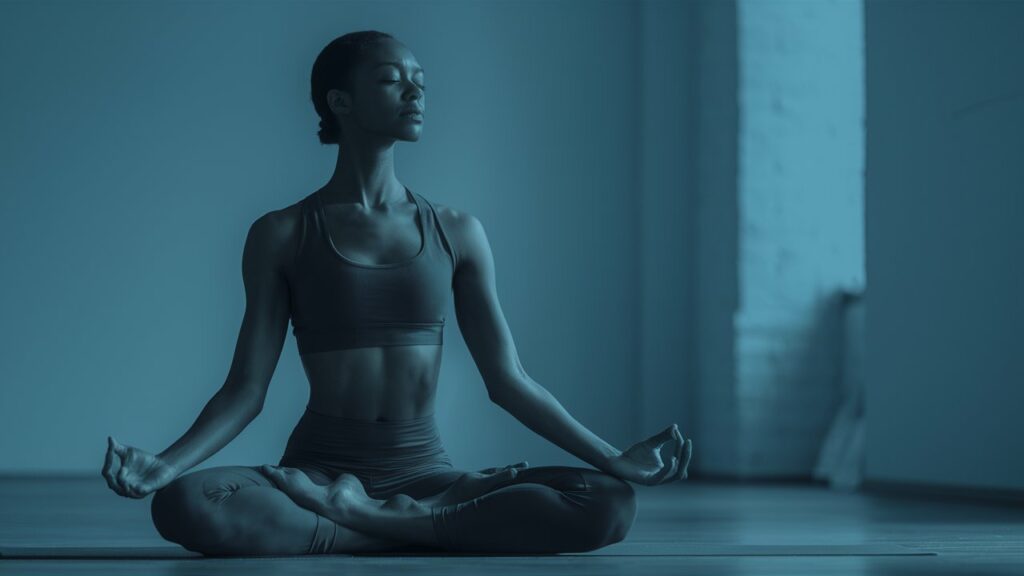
256	405
493	393
500	389
246	399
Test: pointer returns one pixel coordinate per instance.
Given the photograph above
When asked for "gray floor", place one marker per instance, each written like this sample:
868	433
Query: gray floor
966	537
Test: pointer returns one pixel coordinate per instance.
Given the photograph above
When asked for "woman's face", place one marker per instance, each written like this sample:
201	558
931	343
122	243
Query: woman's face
385	85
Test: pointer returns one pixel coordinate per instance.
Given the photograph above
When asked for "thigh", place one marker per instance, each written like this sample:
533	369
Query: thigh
541	509
566	479
219	482
210	510
562	478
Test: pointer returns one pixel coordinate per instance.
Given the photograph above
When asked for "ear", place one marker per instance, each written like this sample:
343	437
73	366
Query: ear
339	101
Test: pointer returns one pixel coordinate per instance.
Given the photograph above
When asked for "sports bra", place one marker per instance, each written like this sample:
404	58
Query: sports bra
337	303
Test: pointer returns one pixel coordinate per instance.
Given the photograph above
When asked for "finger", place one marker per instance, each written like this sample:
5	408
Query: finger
116	470
142	490
137	490
115	453
127	481
666	471
495	469
680	447
684	461
500	478
122	479
664	436
689	455
134	492
108	465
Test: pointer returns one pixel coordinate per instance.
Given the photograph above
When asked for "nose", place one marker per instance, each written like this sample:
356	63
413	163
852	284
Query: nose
415	90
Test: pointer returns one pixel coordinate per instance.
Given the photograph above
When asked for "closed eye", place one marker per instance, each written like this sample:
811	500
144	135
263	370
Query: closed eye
397	81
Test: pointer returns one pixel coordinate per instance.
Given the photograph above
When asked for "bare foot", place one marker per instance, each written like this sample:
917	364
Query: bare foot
296	484
401	503
336	500
345	494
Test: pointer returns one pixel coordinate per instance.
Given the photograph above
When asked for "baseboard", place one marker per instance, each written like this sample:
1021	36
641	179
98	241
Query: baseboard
1001	496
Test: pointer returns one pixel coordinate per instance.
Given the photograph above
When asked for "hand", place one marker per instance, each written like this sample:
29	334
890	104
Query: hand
642	463
473	484
134	473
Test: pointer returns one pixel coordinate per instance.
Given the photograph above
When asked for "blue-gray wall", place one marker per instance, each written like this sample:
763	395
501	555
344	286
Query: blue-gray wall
778	220
140	140
666	255
945	110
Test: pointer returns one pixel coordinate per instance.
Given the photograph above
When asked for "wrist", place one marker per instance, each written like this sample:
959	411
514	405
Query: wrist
170	461
609	454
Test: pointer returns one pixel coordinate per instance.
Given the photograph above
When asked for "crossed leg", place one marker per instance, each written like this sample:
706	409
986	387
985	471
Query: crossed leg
545	509
236	510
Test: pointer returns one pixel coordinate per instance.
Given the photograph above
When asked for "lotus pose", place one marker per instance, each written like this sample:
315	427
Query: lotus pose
363	268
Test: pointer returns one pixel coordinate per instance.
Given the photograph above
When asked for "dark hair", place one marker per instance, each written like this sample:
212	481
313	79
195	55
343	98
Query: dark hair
333	69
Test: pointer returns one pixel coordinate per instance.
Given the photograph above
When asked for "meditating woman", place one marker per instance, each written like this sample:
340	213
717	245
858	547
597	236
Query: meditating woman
363	268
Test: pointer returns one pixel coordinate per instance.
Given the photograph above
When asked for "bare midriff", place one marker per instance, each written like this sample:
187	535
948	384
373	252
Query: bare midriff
375	384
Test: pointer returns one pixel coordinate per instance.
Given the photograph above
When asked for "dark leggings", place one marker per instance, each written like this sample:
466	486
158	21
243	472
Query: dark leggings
236	510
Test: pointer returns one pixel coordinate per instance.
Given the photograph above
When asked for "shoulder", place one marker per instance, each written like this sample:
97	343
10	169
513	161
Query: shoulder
458	221
465	233
275	235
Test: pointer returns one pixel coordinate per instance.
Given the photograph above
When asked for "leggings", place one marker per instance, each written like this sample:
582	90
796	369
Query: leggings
236	510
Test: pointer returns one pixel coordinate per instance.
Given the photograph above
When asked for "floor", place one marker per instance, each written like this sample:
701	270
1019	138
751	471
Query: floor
965	537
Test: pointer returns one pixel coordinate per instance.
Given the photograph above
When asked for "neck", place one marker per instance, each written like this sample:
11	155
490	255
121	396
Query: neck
364	174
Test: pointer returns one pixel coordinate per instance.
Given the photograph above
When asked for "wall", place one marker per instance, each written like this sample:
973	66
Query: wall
945	111
801	222
778	218
667	230
715	223
141	139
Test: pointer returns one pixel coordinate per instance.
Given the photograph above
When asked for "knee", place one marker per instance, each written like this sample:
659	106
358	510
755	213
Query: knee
615	506
178	512
185	512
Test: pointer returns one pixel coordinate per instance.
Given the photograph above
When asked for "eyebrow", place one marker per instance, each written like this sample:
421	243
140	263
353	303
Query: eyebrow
396	65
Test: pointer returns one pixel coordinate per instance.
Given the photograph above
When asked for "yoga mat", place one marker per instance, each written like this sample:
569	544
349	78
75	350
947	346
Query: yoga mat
624	549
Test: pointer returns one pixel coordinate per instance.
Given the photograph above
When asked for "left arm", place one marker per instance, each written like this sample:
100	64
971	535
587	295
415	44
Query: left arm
541	412
489	340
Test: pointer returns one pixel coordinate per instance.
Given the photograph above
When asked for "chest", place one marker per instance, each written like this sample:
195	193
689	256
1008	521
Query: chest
373	239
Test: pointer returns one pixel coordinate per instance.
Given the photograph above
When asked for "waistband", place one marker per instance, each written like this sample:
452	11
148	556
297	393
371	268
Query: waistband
384	434
362	446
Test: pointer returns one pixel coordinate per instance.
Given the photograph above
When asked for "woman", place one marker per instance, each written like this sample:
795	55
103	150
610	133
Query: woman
363	268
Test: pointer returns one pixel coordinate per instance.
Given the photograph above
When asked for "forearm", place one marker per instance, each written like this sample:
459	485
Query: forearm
222	419
540	411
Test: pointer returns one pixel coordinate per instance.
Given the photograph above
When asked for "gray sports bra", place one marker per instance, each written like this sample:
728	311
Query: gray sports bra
337	303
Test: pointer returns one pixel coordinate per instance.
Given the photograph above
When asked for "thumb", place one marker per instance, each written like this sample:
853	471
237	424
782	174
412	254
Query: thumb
662	437
119	448
496	479
504	475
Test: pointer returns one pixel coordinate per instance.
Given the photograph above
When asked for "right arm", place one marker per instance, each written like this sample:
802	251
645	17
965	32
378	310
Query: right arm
269	246
257	350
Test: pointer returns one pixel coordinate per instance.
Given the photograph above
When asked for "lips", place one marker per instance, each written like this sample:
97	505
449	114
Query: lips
412	111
